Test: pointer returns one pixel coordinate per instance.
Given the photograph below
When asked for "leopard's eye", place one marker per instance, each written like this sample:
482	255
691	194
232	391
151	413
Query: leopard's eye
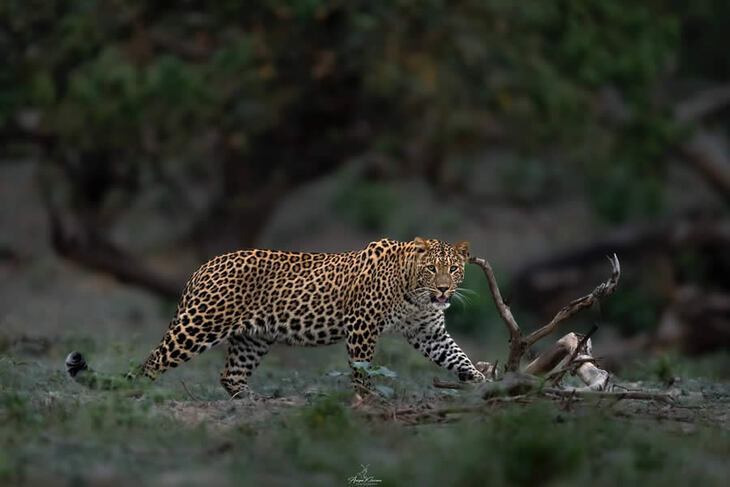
431	268
453	268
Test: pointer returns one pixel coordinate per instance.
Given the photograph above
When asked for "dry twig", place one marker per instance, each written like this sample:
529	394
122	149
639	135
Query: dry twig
188	391
653	396
442	384
515	335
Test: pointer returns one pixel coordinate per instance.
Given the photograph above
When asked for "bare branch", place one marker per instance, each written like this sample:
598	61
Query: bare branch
550	359
572	365
702	104
703	151
85	245
706	154
188	391
518	345
106	258
602	290
515	335
652	396
441	384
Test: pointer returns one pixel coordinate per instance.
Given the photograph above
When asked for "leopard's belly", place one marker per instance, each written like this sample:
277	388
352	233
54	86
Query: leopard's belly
295	330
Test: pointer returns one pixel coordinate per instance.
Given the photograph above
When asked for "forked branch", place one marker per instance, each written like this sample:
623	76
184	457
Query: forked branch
517	344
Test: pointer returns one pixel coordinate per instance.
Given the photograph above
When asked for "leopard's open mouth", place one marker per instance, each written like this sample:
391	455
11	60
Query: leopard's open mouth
443	299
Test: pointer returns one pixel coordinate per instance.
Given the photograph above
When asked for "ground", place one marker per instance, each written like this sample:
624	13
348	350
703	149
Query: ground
55	432
183	430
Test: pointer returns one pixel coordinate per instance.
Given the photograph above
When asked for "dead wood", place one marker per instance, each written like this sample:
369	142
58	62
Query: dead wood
190	394
575	345
706	154
103	257
582	365
550	359
462	386
602	290
513	383
517	344
703	151
587	394
84	244
702	104
595	378
515	335
518	384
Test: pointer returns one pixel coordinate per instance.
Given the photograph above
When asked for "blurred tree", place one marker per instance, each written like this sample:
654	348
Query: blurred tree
240	101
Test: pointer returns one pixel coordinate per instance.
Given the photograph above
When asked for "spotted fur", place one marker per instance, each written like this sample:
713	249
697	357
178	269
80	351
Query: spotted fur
255	298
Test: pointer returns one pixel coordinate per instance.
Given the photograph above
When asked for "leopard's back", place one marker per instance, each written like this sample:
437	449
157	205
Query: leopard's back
293	297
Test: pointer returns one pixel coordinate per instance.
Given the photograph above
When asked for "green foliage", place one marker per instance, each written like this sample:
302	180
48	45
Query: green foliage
369	204
516	446
377	371
144	86
328	416
51	429
374	370
628	179
662	368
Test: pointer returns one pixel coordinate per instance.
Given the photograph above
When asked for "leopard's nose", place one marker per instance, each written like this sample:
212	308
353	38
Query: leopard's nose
443	289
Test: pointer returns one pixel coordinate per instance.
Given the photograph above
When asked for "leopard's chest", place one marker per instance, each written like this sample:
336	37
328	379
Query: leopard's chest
411	318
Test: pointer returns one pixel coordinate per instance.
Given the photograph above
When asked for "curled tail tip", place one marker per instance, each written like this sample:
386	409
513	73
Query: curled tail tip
75	363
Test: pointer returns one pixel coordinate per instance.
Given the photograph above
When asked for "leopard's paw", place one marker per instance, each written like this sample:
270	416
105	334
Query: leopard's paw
472	376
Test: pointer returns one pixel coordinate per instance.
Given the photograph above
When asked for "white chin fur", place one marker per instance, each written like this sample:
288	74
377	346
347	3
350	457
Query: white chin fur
441	306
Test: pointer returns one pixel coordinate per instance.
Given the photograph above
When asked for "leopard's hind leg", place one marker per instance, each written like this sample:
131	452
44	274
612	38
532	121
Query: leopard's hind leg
244	355
189	334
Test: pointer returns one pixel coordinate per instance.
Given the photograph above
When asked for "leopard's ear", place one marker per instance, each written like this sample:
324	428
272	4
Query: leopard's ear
463	249
421	244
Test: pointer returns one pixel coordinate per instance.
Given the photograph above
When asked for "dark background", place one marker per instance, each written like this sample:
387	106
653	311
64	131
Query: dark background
139	139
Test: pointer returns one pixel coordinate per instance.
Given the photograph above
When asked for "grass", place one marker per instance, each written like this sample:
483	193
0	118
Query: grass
54	431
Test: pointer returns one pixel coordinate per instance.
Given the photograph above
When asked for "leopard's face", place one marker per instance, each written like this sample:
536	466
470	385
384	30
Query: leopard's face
440	270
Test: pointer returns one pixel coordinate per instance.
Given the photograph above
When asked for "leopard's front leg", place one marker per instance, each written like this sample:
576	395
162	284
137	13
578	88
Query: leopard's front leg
432	339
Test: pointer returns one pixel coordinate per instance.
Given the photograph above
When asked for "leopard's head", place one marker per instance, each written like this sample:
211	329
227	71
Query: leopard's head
440	270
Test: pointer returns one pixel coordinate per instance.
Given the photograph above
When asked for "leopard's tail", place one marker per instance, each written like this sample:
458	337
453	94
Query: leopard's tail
79	371
75	363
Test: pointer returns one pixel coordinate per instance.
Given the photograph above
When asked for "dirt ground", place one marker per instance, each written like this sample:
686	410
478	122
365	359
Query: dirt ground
183	430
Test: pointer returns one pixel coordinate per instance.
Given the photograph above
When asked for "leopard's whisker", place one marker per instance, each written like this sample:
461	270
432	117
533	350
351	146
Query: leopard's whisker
460	299
464	299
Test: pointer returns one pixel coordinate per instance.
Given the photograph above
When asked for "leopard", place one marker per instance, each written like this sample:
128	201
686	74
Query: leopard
253	299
